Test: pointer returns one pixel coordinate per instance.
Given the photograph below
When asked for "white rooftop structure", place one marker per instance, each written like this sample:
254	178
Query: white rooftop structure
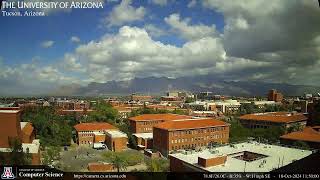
116	134
264	102
33	147
144	135
273	157
9	111
98	133
23	124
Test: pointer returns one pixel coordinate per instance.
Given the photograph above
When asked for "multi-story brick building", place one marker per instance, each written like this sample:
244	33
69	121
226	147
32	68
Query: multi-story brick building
140	98
12	128
285	120
105	133
309	135
189	134
142	126
273	95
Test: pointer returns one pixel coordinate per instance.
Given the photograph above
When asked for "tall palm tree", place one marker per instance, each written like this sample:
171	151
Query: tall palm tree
119	162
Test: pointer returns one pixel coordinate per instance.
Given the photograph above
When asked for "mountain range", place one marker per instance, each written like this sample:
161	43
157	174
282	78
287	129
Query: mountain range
159	85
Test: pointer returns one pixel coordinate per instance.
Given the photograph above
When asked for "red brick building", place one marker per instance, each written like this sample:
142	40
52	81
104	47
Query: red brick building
189	134
12	128
105	133
142	127
144	123
273	95
309	135
140	98
273	119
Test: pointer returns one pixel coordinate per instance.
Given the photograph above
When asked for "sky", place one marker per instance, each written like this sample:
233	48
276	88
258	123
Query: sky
245	40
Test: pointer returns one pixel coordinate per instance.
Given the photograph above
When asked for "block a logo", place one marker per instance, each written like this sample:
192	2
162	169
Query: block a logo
7	173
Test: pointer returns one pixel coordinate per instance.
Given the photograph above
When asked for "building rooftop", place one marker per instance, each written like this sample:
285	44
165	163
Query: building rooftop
99	167
272	157
116	134
144	135
154	117
311	134
33	147
279	117
190	124
9	111
93	126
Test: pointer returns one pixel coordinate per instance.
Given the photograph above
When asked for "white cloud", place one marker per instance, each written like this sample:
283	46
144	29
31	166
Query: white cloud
192	3
75	39
125	13
71	63
133	53
187	31
47	44
160	2
155	31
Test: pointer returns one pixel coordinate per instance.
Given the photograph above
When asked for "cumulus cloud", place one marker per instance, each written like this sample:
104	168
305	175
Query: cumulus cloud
75	39
133	53
160	2
192	3
32	78
125	13
273	41
47	44
187	31
282	32
155	31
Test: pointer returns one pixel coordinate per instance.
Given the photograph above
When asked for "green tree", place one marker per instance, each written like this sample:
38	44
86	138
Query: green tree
51	153
119	162
248	108
238	132
103	113
52	129
17	156
158	165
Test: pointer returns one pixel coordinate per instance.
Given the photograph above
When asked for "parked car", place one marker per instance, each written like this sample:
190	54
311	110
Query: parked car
99	146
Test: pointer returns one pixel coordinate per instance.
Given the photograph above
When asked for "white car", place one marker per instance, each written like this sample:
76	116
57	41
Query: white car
99	146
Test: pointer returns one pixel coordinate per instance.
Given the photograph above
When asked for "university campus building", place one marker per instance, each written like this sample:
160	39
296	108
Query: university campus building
274	119
142	127
101	133
242	157
172	136
309	135
11	128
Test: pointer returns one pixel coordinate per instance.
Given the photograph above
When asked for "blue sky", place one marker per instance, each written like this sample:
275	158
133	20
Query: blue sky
25	34
243	40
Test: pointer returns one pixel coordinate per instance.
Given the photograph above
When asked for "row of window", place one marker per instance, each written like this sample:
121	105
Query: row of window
148	123
85	132
146	129
190	146
86	135
198	131
185	140
86	142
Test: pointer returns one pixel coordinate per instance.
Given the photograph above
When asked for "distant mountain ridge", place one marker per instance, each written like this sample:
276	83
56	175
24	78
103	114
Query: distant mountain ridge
159	85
